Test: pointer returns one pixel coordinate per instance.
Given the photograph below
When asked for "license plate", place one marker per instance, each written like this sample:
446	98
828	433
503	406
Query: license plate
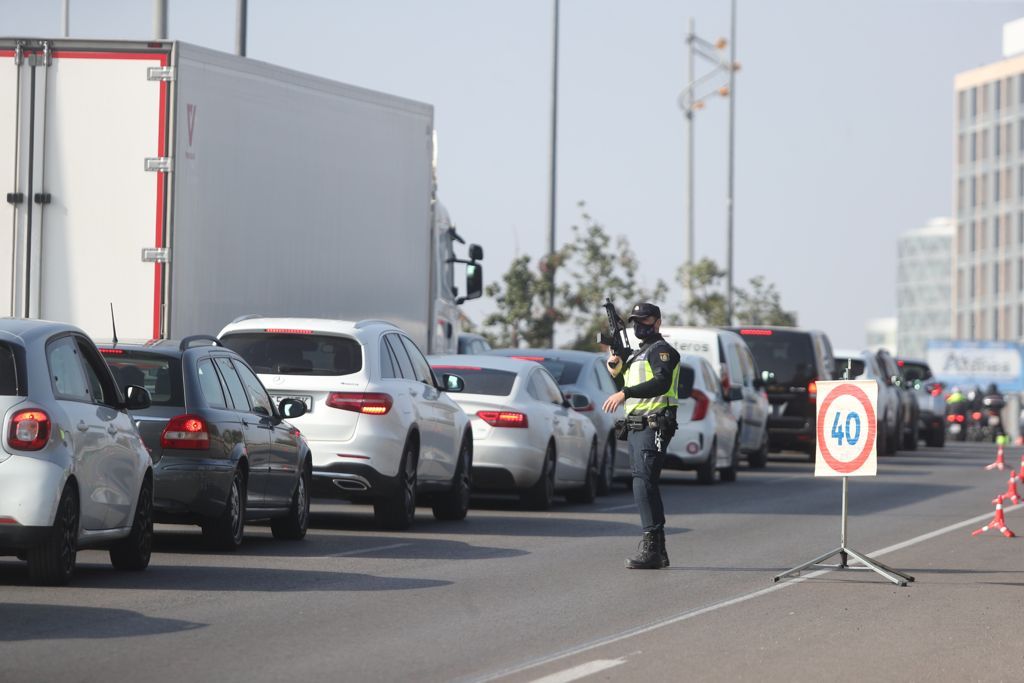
954	428
308	400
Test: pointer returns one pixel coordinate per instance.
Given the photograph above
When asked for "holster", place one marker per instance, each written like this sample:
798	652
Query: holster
621	430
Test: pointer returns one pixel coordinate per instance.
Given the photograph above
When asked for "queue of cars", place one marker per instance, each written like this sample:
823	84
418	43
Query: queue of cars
101	441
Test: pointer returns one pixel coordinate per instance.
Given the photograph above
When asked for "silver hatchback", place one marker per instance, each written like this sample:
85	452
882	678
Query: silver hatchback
74	472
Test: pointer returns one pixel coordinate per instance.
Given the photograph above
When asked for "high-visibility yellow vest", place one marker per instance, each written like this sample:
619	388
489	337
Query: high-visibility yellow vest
640	371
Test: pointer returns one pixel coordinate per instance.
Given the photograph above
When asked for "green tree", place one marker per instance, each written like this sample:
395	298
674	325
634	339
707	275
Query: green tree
760	304
523	316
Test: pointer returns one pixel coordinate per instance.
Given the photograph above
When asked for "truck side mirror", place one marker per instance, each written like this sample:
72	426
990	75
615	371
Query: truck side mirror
476	252
474	281
684	389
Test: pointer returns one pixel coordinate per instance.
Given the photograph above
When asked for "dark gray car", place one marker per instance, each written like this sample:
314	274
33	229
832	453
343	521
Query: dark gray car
583	378
222	452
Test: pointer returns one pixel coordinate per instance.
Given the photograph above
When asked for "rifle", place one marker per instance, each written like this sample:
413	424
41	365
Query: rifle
617	340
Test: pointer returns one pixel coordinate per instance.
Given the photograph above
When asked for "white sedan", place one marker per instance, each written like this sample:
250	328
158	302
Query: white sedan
707	437
526	437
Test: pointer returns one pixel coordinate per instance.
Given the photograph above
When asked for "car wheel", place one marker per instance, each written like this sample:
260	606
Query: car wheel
293	526
729	473
938	437
397	511
542	494
53	562
133	552
227	531
606	480
911	439
454	504
706	470
759	458
588	492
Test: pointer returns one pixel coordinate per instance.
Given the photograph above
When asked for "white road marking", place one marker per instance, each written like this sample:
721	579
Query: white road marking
713	607
581	671
617	507
363	551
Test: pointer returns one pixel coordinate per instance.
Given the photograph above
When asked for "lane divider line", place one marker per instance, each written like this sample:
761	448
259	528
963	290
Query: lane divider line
363	551
715	606
582	671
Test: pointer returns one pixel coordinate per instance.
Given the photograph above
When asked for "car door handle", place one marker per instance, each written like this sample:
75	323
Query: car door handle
82	427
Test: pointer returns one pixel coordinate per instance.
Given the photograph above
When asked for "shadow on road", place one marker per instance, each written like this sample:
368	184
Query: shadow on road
20	622
224	578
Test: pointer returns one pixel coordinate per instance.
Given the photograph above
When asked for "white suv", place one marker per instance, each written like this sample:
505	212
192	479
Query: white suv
380	427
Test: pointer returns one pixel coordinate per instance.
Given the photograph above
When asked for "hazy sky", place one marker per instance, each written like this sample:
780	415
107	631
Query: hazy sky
844	119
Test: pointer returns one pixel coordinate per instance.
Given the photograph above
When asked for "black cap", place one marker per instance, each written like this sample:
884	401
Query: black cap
644	310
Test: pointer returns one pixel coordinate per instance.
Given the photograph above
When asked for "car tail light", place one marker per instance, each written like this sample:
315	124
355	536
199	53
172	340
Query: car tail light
503	418
188	432
367	404
976	415
812	391
700	407
286	330
29	431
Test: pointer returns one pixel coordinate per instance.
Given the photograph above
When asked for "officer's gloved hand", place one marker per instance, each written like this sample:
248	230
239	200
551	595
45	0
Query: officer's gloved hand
614	364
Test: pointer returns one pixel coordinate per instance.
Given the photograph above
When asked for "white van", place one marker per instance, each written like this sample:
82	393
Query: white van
735	367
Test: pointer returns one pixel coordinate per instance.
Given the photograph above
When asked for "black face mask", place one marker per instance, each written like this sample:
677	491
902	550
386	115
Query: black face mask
642	331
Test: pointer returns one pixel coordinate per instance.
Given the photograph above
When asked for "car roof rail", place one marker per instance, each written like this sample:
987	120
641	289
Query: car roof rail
371	321
247	316
187	341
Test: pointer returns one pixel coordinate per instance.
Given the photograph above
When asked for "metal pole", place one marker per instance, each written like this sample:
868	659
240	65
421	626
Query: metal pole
160	19
689	169
729	198
64	20
241	19
554	175
842	534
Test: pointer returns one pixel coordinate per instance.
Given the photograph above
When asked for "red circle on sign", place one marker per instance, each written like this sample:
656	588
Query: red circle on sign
856	392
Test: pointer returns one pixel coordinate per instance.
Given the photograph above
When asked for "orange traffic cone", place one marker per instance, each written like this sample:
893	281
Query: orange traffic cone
999	464
998	522
1011	489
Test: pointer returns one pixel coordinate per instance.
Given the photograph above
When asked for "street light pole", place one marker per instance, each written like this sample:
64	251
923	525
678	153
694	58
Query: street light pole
732	140
554	178
241	19
64	19
160	19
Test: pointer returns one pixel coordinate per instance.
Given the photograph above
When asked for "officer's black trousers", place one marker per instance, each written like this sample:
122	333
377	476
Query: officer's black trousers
646	460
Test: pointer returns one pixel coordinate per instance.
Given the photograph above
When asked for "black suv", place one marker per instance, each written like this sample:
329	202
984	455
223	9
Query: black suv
222	452
792	362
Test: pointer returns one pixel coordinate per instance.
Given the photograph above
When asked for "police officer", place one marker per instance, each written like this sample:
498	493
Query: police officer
648	382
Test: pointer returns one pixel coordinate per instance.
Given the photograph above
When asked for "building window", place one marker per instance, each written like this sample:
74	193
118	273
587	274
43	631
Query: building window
1008	137
970	283
973	227
995	233
983	153
996	140
974	191
996	184
1020	322
995	278
974	143
998	87
1020	274
974	102
1020	227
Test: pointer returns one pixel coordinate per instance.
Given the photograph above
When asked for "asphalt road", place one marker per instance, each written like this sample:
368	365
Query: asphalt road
521	596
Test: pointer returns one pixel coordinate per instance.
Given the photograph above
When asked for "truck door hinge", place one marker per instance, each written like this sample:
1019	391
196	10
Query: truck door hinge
44	58
19	53
15	197
156	255
160	164
160	73
42	197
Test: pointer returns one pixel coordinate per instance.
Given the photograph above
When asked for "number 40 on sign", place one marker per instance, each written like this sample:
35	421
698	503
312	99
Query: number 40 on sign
846	429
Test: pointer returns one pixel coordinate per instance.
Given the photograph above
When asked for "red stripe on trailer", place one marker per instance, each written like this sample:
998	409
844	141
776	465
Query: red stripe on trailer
158	270
73	54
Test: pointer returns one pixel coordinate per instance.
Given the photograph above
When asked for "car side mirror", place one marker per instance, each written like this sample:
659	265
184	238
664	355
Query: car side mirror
136	398
452	383
474	282
767	377
476	252
734	394
291	408
684	389
579	402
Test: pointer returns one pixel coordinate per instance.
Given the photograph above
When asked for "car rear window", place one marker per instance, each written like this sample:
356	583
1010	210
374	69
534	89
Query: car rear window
8	371
856	367
915	372
564	371
273	353
160	375
481	380
790	355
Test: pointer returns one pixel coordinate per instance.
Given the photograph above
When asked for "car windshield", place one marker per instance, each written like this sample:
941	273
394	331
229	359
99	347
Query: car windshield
8	372
856	367
272	353
480	380
564	371
915	372
160	375
790	355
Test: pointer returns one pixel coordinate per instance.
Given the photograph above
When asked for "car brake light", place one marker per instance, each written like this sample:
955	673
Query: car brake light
188	432
959	418
756	333
286	330
111	352
700	408
503	418
951	418
29	431
976	415
536	359
812	391
367	404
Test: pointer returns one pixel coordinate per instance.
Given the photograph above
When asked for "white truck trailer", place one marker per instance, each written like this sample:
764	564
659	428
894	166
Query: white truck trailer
188	187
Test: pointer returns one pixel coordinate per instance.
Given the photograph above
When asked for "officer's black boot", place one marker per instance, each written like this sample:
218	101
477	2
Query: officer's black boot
660	534
649	557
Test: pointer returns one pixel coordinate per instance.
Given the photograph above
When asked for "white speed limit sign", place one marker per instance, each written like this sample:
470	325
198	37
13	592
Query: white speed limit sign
846	429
